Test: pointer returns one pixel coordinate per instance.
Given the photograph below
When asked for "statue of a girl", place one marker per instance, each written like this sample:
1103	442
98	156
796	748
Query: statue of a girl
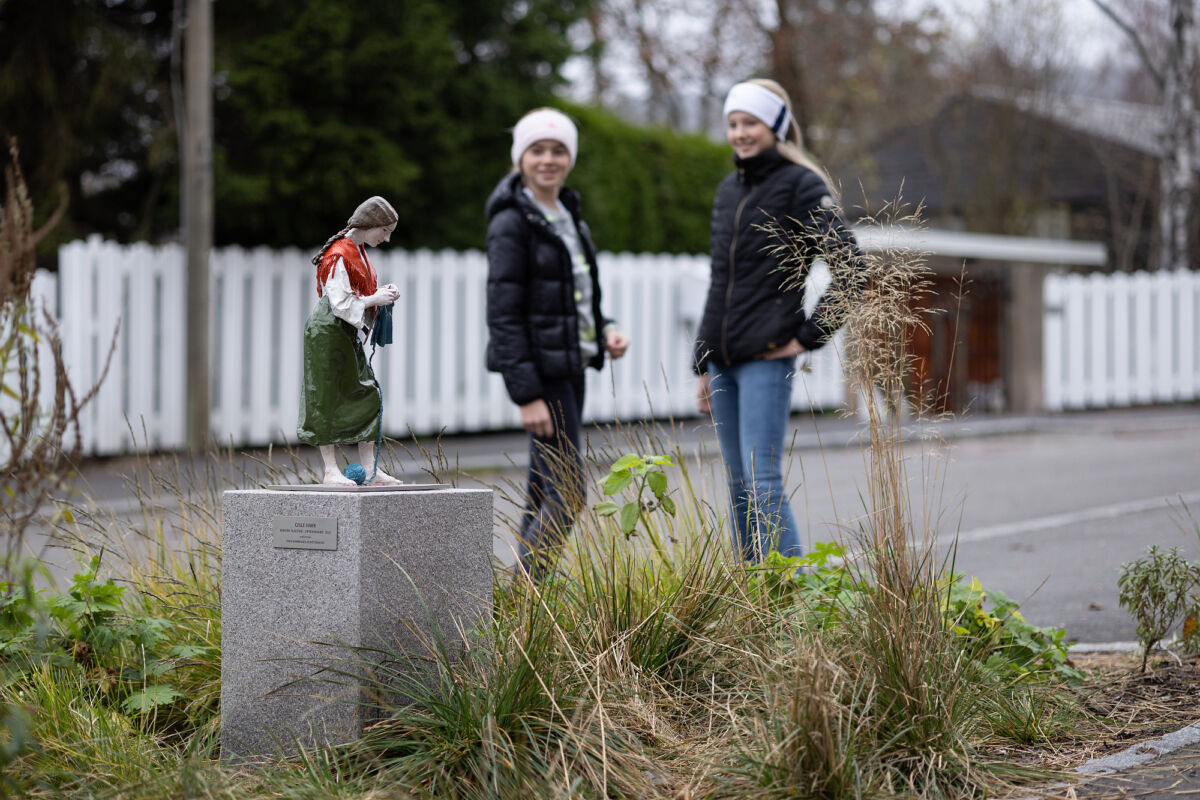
340	402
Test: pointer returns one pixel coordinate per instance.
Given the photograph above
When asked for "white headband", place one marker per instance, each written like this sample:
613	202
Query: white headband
762	103
545	123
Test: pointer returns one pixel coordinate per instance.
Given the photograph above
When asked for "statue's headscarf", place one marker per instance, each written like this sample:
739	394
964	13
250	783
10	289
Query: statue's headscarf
374	212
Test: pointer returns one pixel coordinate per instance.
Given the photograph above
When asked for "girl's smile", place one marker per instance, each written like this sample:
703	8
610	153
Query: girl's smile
748	134
544	166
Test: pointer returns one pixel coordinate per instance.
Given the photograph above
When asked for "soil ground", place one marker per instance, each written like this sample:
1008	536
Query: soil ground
1126	706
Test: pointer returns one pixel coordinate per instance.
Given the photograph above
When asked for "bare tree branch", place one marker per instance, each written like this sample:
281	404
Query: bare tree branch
36	447
1136	38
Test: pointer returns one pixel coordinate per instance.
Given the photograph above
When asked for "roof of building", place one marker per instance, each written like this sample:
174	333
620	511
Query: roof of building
984	246
1137	126
976	150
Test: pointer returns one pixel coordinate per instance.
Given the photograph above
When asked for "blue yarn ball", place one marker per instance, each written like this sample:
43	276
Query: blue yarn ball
356	473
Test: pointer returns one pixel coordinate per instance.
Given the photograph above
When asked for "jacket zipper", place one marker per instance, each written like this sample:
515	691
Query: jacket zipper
569	290
737	222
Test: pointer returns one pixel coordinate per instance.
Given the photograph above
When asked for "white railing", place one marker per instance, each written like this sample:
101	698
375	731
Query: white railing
1122	339
433	377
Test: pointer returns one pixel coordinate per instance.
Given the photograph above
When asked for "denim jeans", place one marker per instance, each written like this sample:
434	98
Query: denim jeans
556	489
750	406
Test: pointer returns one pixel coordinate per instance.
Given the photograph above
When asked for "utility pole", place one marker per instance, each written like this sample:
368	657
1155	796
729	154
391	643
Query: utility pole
198	214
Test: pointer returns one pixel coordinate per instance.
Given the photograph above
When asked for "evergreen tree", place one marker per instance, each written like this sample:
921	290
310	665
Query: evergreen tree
324	102
319	104
85	89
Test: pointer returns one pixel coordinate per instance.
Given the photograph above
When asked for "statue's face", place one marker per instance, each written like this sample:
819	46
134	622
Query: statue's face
377	236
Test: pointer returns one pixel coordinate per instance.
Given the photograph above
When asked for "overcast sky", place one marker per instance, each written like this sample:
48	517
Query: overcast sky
1082	33
1087	33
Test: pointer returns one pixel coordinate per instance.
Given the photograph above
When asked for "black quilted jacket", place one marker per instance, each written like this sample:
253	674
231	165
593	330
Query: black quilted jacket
533	329
755	303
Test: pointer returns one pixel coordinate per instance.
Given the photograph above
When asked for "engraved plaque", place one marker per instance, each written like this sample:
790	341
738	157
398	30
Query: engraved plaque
305	533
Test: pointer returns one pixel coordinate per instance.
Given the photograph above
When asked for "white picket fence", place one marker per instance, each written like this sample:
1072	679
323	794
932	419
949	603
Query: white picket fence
433	376
1110	340
1122	339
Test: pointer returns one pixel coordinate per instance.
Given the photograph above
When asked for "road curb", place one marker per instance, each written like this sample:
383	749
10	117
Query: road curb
1104	647
1136	755
1141	752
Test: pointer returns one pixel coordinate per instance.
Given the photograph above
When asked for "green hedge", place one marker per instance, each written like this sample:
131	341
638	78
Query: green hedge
645	189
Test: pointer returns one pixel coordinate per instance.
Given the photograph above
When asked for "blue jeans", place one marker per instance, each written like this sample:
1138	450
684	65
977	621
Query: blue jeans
750	406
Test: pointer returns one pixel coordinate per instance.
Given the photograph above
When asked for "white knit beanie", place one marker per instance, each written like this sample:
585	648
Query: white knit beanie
760	102
545	123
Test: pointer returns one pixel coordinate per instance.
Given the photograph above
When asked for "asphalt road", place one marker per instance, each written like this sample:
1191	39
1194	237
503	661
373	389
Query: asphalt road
1044	508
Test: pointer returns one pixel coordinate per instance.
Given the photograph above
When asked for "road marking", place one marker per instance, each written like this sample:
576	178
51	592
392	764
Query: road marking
1076	517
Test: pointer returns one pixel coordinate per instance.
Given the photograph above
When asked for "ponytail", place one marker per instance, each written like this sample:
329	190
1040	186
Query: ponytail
792	146
320	256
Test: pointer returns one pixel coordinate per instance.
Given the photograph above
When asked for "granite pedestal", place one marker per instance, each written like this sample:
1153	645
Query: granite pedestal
313	581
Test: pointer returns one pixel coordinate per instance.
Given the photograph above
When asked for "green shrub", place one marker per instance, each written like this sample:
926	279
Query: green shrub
646	190
1001	637
643	473
829	592
1155	589
131	658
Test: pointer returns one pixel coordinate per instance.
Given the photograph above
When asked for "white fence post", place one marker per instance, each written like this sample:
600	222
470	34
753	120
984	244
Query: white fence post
1121	344
1076	311
1189	334
1053	342
1164	339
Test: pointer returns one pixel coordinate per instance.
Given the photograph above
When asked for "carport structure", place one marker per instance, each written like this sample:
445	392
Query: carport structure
985	348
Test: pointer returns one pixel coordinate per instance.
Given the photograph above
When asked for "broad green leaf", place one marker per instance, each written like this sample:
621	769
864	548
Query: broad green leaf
155	669
624	462
152	696
188	650
658	483
668	505
629	518
617	481
607	508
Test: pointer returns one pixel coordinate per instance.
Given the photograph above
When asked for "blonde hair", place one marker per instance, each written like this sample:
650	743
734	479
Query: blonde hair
792	146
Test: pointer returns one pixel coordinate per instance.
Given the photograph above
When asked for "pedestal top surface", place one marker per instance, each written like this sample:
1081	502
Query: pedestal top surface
322	487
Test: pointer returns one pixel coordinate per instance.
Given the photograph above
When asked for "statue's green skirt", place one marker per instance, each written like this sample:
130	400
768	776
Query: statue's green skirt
340	400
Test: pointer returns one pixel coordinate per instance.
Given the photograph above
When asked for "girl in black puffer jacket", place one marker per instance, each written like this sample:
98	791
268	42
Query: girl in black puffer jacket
544	322
754	325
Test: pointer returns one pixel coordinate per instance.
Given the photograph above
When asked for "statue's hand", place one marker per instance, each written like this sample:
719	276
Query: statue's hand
388	293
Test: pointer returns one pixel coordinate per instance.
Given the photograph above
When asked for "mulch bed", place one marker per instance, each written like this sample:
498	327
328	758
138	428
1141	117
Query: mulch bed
1121	706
